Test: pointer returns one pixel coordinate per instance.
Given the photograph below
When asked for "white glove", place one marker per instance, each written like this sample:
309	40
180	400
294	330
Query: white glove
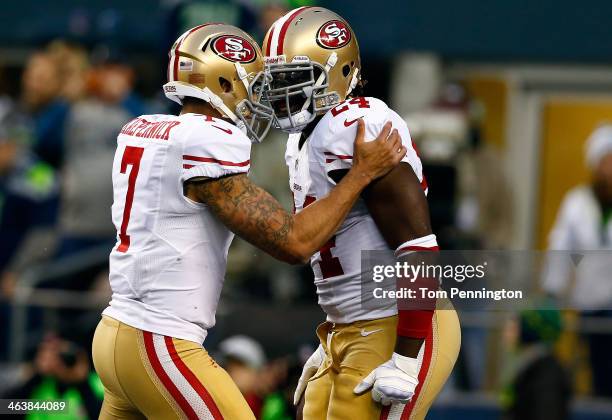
392	382
310	368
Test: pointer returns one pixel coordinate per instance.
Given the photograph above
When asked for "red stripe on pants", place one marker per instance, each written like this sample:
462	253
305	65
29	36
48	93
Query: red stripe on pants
165	379
193	380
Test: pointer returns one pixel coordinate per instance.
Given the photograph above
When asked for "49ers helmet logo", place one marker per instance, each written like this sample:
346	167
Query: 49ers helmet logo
234	48
333	34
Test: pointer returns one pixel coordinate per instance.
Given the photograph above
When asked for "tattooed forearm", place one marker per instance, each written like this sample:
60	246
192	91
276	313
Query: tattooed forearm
248	211
252	213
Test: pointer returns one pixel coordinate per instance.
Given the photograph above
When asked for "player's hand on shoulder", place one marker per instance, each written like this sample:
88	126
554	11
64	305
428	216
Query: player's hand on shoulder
392	382
375	158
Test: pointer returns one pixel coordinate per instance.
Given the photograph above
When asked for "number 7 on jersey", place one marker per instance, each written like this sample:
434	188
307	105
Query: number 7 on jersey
132	157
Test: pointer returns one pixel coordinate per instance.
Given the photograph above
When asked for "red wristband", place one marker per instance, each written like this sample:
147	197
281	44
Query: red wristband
414	324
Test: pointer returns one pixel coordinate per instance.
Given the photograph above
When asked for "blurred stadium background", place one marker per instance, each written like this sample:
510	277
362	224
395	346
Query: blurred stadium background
500	98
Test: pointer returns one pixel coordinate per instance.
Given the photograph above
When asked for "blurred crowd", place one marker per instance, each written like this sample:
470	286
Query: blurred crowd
57	141
56	146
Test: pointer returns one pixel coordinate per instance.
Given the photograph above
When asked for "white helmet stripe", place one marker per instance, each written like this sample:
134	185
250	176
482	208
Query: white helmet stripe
169	71
277	31
268	51
172	63
174	56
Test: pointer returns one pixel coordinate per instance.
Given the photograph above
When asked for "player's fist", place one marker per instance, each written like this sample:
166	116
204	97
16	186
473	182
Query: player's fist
310	368
392	382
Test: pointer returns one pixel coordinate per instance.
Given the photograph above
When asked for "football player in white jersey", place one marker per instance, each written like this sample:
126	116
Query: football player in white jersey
181	191
403	356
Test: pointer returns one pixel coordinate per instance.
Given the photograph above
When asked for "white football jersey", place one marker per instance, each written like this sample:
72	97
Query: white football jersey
337	266
168	266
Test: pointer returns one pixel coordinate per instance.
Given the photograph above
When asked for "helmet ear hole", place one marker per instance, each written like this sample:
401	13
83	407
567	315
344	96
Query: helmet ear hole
225	84
346	70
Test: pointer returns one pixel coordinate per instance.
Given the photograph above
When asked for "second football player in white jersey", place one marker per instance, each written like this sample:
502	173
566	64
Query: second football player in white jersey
404	356
181	191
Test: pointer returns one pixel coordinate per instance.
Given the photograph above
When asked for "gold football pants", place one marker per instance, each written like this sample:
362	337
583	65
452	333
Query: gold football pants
152	376
354	350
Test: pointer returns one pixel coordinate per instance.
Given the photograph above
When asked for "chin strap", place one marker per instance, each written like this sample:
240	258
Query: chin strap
304	114
242	75
218	104
354	81
294	123
331	62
